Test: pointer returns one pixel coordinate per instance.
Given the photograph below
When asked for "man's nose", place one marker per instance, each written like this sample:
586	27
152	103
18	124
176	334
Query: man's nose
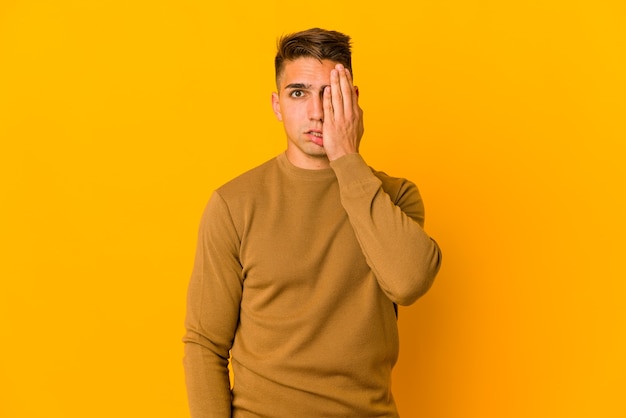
316	107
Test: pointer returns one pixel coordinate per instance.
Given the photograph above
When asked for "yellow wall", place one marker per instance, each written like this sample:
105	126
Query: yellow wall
118	118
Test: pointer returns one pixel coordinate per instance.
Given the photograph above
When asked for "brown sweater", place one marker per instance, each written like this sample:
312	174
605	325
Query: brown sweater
297	271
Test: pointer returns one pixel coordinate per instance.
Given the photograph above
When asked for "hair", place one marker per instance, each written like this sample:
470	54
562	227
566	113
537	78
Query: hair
316	43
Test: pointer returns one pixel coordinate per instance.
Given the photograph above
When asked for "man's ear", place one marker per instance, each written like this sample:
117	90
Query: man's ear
276	106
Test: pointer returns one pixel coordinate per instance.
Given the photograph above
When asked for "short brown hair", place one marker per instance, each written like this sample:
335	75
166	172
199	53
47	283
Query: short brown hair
316	43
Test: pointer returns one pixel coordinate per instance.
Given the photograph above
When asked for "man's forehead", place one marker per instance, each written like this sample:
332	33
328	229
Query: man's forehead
306	71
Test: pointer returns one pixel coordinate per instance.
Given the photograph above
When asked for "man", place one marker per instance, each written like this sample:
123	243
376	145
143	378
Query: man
301	261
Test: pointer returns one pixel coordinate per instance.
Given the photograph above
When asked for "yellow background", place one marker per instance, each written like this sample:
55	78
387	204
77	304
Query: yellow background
118	118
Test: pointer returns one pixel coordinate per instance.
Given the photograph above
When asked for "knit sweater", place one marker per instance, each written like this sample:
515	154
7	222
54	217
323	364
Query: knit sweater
296	275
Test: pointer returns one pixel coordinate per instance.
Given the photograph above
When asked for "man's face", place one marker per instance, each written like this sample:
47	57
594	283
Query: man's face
299	105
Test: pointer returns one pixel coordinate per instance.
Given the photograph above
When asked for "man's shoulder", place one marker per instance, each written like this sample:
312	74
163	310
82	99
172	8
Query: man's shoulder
393	185
250	180
384	177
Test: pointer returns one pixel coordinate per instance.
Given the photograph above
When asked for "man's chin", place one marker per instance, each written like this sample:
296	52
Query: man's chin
319	153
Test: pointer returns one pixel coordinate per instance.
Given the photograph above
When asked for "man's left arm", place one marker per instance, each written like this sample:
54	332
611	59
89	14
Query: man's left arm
389	229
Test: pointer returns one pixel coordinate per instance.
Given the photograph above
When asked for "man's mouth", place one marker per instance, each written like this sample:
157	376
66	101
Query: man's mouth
316	137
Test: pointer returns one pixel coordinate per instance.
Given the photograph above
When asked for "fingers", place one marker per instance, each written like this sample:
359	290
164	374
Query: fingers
343	94
349	91
343	120
336	93
327	104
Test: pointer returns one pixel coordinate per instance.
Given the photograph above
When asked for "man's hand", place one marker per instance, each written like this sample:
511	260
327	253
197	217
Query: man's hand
343	118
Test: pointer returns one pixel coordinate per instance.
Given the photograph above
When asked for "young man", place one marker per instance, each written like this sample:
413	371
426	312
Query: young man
301	261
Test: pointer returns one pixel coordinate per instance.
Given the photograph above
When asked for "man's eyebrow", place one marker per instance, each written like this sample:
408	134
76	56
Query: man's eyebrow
298	86
303	86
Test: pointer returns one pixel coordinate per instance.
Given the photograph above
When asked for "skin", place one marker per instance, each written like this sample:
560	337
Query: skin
318	106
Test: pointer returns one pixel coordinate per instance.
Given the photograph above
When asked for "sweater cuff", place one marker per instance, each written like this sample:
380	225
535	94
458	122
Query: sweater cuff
353	172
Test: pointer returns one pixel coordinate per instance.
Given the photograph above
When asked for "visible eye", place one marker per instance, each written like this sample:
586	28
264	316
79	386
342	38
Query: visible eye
297	93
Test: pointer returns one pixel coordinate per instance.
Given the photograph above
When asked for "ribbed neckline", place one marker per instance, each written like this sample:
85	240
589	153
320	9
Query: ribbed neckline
303	173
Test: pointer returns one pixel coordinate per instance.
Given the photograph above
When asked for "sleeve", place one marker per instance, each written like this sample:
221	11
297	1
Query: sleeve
213	300
404	259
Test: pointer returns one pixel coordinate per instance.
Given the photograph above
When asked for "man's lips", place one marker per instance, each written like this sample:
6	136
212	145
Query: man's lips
316	137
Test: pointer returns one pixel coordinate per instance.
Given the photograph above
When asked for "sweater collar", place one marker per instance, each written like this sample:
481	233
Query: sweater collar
302	173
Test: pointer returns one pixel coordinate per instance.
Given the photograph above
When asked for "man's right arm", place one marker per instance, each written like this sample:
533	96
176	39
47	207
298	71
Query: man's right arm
213	301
